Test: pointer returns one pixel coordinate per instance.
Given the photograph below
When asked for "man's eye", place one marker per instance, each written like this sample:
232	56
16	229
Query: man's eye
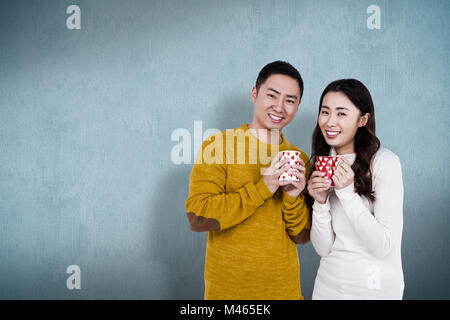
271	95
341	114
290	101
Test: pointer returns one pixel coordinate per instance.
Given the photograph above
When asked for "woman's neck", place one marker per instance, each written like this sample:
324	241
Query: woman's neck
348	149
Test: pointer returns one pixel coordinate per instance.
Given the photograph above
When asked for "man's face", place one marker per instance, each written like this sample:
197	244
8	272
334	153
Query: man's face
276	102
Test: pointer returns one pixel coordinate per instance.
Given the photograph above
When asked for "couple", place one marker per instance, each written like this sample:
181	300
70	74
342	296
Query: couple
254	220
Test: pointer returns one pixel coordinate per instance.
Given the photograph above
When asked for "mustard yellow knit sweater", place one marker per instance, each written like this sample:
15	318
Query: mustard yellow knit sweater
250	254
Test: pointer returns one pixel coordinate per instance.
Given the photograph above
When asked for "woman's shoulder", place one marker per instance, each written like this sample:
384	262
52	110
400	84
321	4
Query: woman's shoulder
385	159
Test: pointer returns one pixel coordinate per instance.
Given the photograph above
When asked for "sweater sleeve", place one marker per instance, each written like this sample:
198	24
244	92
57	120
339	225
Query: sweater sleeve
381	230
296	213
209	207
322	233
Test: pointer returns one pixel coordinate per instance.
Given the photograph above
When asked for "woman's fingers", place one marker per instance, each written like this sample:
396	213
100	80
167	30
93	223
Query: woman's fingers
336	179
316	191
322	183
319	190
317	178
344	167
316	173
337	172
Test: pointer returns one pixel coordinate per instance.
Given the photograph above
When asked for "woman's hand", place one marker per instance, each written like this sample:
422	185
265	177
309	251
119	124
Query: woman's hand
343	175
294	188
318	186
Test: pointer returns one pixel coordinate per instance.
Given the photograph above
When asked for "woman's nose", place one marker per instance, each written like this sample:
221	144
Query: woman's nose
331	120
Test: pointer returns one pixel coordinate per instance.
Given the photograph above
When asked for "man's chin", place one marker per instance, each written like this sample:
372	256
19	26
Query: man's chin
275	126
268	125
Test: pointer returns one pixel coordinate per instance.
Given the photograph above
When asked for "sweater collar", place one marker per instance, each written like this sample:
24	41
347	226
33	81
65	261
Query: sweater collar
282	145
350	156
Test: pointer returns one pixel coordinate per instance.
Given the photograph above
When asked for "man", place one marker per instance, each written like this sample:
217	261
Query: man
253	220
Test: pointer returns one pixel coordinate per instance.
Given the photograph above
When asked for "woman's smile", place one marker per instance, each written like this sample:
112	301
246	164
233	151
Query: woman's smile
331	134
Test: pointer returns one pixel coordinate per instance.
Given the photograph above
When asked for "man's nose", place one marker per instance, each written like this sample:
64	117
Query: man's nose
278	105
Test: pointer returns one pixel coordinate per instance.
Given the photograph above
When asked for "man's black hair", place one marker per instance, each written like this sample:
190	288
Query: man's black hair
279	67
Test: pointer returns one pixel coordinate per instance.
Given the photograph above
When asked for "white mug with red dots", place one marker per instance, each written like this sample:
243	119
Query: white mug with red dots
294	158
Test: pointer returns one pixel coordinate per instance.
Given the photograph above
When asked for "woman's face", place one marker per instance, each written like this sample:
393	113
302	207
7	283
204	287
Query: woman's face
339	119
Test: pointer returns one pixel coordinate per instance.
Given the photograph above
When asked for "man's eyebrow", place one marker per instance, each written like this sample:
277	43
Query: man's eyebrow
272	89
288	95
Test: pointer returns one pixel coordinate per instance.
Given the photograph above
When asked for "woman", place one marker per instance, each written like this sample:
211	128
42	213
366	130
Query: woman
357	224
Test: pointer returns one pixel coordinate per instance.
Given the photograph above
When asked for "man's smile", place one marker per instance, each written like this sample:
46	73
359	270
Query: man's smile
275	118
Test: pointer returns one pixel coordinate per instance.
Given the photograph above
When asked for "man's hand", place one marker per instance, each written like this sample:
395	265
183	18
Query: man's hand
294	188
273	172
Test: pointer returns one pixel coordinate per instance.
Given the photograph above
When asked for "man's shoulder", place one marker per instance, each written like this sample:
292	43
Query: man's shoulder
222	133
291	146
217	139
303	155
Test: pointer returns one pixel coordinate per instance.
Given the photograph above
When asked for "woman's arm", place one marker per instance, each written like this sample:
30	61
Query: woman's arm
382	229
322	234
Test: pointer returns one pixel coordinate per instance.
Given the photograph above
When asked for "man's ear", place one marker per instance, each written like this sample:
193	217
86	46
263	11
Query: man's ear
363	120
254	94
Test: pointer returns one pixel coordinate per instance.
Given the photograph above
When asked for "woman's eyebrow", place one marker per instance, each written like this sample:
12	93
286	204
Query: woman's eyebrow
337	108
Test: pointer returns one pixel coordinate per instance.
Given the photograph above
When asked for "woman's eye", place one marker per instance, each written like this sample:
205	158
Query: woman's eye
324	112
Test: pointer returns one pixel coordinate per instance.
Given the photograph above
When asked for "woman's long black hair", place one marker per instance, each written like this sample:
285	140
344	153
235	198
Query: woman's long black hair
366	142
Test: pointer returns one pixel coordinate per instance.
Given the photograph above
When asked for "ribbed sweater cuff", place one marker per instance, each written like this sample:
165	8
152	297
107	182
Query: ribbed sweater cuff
289	199
322	207
321	212
263	190
346	192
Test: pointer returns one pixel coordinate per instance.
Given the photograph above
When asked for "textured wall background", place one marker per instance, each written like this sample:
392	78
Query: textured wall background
86	118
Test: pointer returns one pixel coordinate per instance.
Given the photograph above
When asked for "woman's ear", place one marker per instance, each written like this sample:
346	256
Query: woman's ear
363	120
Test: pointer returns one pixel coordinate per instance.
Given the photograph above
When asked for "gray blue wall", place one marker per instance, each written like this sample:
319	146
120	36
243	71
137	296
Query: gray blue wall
86	118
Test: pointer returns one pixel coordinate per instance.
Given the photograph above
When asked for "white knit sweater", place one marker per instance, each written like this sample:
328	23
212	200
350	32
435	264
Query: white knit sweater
359	241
